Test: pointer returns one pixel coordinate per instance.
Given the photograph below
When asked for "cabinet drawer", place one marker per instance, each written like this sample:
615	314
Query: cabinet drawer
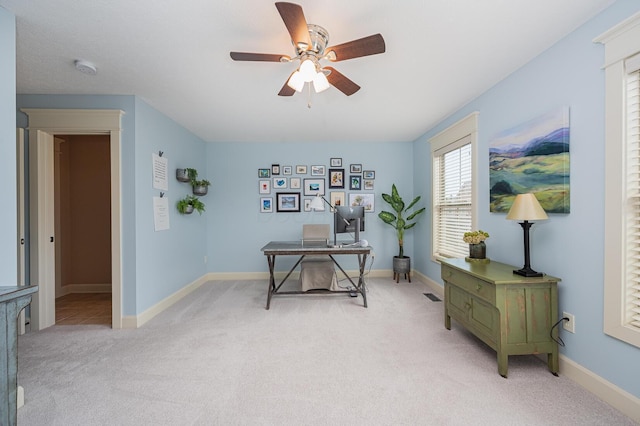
473	285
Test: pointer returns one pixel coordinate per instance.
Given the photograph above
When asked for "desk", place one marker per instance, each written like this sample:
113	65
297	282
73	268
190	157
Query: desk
296	248
13	299
512	314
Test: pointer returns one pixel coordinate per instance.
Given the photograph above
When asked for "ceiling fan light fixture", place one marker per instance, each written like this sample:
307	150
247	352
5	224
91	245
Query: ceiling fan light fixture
320	82
296	81
307	70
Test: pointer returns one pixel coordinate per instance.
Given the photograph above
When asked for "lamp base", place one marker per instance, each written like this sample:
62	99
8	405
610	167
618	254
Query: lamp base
528	272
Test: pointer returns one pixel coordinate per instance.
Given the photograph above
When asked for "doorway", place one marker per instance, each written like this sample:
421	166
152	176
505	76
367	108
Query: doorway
82	206
44	125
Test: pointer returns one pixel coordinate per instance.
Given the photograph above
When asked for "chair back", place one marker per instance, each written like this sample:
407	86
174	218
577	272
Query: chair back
316	233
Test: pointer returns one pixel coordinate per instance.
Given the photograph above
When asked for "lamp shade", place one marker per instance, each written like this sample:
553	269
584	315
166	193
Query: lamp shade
308	70
296	82
316	203
320	82
526	207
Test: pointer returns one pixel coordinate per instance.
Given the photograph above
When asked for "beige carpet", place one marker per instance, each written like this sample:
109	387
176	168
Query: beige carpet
219	358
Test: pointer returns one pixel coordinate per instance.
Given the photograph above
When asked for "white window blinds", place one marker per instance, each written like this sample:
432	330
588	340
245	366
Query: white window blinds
632	220
453	209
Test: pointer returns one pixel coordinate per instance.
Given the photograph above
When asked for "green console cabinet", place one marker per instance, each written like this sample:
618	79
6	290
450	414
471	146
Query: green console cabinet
510	313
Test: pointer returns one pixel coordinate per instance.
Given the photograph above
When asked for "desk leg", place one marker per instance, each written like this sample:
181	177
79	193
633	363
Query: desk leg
271	260
361	284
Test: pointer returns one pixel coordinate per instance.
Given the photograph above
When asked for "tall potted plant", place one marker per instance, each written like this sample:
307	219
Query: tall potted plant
401	263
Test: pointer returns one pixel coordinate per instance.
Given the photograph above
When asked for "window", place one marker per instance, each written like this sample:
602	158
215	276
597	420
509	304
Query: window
454	205
622	181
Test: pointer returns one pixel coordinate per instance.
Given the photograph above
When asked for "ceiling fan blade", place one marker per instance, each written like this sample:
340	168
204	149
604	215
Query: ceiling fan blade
296	24
266	57
286	90
340	82
366	46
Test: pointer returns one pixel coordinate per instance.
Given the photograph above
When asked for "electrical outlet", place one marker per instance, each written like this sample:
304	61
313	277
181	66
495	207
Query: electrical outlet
570	325
205	259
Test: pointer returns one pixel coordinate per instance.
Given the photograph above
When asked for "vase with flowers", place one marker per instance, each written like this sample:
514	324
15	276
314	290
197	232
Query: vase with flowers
477	246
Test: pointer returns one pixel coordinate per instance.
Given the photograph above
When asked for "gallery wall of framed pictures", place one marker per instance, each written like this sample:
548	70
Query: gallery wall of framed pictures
289	188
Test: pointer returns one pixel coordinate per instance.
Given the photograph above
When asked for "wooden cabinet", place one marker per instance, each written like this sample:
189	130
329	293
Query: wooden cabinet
510	313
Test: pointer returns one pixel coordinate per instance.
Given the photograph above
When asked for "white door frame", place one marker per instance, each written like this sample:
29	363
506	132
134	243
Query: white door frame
43	125
20	203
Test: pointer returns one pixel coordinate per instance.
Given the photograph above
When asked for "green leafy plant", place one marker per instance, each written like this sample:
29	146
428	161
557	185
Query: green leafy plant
192	173
396	220
183	204
201	182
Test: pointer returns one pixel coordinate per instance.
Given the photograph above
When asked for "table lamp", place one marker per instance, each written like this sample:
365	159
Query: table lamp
526	207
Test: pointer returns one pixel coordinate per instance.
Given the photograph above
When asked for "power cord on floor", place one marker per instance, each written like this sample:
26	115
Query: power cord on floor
559	339
372	256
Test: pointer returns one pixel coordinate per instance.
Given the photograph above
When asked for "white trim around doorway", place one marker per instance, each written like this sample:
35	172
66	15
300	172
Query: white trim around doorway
53	122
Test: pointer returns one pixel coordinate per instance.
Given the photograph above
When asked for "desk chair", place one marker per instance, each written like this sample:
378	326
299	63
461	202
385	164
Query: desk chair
317	272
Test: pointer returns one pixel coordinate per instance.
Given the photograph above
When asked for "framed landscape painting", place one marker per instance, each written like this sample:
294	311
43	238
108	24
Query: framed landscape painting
532	157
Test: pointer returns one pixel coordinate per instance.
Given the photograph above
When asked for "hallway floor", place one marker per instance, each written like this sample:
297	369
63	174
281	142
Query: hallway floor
84	308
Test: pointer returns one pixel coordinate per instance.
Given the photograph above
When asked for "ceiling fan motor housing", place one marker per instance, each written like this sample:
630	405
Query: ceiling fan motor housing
319	40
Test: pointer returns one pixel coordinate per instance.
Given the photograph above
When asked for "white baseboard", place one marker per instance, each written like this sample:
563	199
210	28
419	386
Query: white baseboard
606	391
136	321
436	288
84	288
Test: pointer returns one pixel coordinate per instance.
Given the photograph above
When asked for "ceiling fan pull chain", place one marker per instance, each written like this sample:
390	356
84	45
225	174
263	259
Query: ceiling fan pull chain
309	96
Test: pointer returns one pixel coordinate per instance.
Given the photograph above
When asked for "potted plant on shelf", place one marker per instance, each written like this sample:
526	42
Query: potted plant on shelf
188	204
477	246
186	175
401	263
200	187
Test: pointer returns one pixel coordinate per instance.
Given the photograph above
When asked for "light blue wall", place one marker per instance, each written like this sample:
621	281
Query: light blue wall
165	260
8	214
154	264
237	229
567	246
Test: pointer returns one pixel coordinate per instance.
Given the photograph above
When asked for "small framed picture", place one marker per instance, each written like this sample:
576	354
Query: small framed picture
355	182
301	170
265	186
336	162
369	174
313	187
264	173
288	201
367	184
275	169
266	204
337	198
363	199
317	170
356	168
336	178
279	183
287	170
294	183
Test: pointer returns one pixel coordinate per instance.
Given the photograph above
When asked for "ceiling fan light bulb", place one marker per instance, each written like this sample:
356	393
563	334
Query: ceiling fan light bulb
308	70
320	82
296	82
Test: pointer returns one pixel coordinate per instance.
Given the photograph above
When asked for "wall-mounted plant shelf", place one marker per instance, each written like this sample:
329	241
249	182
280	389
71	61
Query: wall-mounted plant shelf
199	187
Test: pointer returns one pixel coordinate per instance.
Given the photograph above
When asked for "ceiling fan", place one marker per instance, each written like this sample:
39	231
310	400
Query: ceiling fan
310	42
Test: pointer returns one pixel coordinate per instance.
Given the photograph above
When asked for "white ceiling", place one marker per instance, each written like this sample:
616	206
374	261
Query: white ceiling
440	54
